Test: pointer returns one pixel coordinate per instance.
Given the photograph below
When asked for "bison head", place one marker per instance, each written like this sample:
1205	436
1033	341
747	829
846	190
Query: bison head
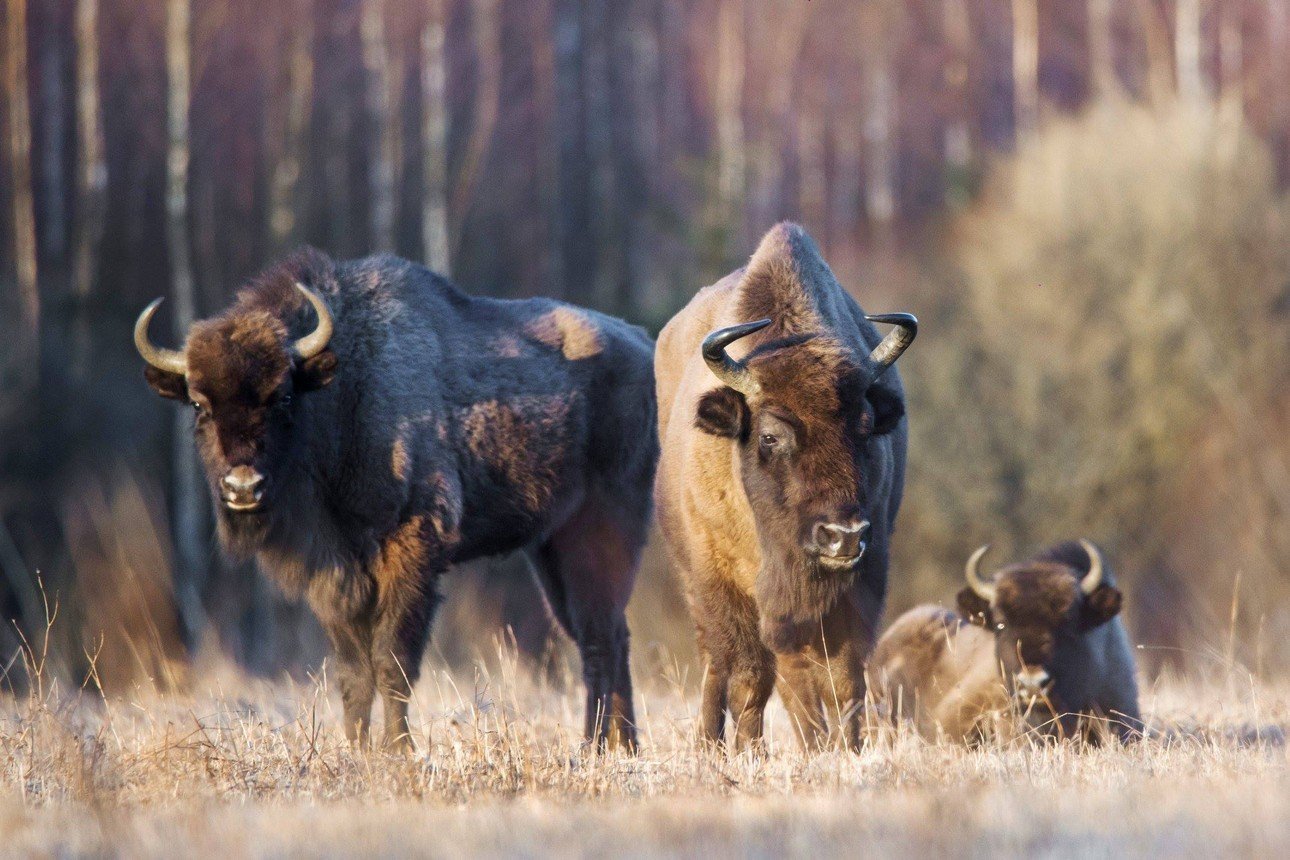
1033	608
239	373
803	412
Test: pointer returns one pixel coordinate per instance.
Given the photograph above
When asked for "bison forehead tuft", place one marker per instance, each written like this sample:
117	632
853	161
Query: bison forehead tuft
238	357
809	375
1038	593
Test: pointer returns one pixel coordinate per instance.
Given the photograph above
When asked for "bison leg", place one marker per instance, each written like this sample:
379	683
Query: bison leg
404	572
741	670
750	688
398	645
796	684
716	686
586	570
351	642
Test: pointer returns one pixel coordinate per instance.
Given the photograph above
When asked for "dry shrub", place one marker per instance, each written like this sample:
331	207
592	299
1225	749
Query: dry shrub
1108	364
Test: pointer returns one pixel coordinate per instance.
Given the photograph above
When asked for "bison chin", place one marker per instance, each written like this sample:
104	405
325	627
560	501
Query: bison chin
242	534
792	596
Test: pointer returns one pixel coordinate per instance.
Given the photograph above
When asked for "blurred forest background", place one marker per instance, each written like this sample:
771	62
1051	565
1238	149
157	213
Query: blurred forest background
1083	200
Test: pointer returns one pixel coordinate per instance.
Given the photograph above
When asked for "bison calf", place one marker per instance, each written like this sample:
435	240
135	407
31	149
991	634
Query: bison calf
364	425
1040	639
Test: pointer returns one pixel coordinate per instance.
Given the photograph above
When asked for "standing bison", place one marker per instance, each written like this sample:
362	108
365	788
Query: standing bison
408	427
1041	640
780	478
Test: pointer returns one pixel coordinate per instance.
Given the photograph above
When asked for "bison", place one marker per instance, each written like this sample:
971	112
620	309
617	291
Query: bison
408	427
779	481
1040	641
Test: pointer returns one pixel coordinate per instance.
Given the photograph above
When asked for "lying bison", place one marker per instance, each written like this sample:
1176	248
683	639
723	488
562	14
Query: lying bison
1041	641
412	427
780	478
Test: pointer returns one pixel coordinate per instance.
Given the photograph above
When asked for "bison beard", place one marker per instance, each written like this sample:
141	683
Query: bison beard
357	458
793	594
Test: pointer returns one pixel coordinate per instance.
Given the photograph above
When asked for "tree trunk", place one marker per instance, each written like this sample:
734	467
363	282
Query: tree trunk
1231	60
1025	66
91	175
729	104
1101	59
879	100
487	98
284	188
189	542
958	136
24	213
434	138
381	172
1190	84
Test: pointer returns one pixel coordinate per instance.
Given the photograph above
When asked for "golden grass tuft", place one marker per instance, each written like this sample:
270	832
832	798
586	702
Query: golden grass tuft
239	767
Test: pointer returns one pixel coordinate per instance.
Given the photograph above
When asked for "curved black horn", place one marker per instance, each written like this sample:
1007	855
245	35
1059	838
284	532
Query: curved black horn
896	342
733	373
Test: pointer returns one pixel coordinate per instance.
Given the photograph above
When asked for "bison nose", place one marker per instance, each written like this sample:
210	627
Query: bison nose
242	488
1032	678
840	540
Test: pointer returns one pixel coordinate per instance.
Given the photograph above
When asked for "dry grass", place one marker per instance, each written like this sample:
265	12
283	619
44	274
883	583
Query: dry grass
241	768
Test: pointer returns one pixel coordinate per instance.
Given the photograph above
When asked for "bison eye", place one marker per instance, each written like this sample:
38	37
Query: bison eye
201	409
769	440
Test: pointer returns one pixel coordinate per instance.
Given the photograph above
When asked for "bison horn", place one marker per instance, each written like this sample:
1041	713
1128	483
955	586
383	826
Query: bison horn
896	342
316	341
984	590
169	360
733	373
1093	578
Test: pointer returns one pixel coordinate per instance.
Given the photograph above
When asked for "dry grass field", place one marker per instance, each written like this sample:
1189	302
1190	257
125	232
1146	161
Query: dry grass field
240	768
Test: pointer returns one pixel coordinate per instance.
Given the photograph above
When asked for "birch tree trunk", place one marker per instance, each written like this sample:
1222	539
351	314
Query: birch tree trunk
284	189
434	139
958	38
189	542
1231	60
731	159
1187	73
879	87
1025	66
91	174
24	212
381	173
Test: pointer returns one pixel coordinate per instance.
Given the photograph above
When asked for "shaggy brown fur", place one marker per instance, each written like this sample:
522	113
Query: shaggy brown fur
957	677
436	428
744	478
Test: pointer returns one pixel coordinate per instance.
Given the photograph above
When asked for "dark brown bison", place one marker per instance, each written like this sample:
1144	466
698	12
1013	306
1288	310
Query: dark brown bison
1038	646
780	478
411	427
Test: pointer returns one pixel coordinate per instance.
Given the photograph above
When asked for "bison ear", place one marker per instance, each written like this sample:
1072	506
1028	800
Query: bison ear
316	372
975	608
888	408
1100	607
723	412
167	384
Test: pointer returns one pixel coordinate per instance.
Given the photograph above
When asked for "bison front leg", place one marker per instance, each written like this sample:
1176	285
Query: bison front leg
351	644
796	683
405	604
398	645
750	688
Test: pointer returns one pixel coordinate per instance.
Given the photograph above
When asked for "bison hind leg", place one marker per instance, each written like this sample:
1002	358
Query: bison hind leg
586	570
